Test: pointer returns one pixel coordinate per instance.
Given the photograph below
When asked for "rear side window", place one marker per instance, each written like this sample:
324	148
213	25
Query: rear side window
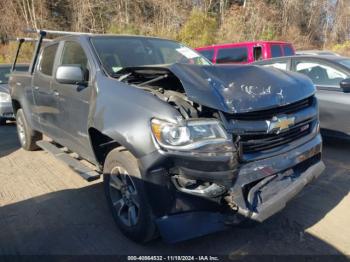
276	51
232	55
208	54
48	59
288	50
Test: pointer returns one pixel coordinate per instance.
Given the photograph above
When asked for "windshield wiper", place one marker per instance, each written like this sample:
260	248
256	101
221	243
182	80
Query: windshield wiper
122	77
154	80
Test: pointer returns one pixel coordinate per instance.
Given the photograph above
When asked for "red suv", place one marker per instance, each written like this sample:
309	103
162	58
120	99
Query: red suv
246	52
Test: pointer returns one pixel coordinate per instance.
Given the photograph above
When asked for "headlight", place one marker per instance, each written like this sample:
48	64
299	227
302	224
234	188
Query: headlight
5	97
193	134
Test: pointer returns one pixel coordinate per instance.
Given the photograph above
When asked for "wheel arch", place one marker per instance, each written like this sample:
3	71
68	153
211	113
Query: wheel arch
102	144
16	105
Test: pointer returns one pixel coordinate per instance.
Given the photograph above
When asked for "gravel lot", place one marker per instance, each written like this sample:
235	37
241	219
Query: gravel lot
47	209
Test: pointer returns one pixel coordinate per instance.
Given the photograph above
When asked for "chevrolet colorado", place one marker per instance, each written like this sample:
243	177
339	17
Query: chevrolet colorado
185	147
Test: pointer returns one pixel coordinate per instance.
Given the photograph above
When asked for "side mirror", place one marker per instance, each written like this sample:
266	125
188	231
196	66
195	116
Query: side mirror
72	75
345	85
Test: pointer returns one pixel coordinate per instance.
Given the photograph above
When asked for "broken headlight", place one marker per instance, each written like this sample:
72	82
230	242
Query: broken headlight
190	135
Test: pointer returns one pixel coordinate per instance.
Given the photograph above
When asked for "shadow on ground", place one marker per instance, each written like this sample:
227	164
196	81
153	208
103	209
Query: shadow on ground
77	221
8	139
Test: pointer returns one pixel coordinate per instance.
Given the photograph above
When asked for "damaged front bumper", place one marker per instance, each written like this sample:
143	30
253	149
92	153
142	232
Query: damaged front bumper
230	192
287	191
264	187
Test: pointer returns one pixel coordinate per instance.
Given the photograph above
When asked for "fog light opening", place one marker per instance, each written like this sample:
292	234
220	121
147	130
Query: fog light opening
198	188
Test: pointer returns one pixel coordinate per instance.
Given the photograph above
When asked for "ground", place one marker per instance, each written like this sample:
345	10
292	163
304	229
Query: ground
45	208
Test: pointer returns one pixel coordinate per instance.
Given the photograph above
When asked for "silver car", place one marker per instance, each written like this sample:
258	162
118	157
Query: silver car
331	76
5	99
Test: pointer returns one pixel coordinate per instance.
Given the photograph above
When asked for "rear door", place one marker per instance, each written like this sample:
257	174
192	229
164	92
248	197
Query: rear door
45	109
73	102
334	104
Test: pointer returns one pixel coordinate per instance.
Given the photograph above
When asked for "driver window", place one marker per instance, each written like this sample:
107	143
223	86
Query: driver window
73	54
320	74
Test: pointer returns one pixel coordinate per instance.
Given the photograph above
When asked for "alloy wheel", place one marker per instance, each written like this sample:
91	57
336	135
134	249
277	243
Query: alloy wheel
21	132
124	196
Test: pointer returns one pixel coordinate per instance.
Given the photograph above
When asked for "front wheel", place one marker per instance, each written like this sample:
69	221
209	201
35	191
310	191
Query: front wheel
126	196
27	136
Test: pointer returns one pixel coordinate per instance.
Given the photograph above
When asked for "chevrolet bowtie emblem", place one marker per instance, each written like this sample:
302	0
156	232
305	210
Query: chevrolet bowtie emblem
279	124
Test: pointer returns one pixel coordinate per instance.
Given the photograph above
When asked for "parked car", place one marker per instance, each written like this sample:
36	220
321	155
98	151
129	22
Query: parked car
315	52
331	76
185	147
246	52
5	99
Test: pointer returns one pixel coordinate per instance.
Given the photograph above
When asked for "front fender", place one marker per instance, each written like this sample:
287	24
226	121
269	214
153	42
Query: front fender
123	113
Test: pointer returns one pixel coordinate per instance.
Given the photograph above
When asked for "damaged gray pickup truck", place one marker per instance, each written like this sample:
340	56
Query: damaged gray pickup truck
186	148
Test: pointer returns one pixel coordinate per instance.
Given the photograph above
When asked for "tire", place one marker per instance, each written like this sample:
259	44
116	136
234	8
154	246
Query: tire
2	121
26	135
126	196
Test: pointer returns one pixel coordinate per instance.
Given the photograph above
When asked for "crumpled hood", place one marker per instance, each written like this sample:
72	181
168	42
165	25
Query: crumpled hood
241	88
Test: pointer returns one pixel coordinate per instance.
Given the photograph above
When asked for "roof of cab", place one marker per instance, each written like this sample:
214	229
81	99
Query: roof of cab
87	35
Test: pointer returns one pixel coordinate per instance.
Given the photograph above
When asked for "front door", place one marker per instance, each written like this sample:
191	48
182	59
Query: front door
73	102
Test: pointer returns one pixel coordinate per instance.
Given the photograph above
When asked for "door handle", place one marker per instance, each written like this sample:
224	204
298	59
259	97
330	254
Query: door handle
36	88
55	93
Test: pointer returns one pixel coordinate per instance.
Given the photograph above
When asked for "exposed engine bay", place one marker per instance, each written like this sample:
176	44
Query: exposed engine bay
165	85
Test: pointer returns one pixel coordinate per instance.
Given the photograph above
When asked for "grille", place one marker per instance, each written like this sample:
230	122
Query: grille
262	142
268	114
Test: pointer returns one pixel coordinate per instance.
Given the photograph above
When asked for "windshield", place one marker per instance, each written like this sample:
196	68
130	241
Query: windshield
4	75
116	53
345	62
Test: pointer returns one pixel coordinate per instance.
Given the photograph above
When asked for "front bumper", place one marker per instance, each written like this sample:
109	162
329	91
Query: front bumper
264	187
279	201
6	110
257	190
234	179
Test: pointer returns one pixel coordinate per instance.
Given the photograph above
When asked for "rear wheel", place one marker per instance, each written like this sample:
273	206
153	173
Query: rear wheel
126	196
27	136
